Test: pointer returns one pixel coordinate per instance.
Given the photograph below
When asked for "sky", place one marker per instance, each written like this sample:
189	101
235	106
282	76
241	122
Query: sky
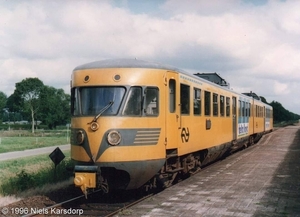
253	44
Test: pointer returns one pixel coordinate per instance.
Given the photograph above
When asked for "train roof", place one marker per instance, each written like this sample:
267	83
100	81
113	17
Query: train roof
126	63
135	63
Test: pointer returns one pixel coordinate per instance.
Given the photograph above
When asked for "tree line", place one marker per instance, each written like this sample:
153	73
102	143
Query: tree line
280	114
33	101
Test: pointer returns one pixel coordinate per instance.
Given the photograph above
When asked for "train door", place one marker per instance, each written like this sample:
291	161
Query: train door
234	123
172	121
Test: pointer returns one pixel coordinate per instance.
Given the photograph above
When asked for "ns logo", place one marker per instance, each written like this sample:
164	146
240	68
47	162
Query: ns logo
185	134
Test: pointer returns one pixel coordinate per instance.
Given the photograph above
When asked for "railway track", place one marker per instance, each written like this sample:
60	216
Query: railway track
97	204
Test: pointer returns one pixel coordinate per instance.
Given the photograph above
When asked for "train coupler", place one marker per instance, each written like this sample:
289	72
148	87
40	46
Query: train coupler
85	177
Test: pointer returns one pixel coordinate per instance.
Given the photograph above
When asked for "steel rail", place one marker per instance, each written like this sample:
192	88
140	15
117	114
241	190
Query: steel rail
59	204
129	205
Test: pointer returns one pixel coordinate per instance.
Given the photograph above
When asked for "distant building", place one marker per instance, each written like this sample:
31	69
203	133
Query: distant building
215	78
251	94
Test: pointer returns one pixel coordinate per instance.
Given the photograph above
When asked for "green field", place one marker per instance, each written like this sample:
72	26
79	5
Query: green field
19	175
19	140
8	144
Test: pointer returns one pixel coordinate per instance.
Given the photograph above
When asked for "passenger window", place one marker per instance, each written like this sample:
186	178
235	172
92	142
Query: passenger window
185	98
172	98
250	110
227	106
215	104
222	106
197	101
256	111
207	103
240	108
134	102
151	101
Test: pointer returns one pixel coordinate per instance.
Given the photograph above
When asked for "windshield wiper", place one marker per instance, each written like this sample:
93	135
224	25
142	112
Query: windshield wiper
102	111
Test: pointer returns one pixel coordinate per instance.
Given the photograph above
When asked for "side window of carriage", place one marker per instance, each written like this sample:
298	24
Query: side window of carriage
151	101
197	101
172	95
227	106
222	109
185	99
207	105
215	105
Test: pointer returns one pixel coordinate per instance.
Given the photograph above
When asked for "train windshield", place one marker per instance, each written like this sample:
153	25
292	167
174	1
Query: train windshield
89	101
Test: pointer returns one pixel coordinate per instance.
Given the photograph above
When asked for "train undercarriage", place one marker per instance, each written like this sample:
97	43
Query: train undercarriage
180	167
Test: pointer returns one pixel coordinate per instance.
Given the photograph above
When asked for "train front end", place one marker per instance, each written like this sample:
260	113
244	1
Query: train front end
116	129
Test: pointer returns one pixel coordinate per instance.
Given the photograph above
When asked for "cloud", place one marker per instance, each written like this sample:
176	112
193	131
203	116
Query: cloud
253	46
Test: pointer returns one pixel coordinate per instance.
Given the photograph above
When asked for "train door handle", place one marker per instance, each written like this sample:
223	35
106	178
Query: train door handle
179	117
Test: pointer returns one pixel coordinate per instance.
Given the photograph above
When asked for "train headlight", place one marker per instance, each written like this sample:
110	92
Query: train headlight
94	126
80	137
113	137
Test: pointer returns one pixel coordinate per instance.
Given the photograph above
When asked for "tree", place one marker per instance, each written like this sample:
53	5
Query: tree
54	107
281	114
14	105
28	91
3	100
263	99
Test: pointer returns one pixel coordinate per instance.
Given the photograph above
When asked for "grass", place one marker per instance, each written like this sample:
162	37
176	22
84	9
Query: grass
20	140
22	174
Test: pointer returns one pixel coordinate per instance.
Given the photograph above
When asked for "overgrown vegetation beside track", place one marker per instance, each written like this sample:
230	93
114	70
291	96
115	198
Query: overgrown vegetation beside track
23	174
286	123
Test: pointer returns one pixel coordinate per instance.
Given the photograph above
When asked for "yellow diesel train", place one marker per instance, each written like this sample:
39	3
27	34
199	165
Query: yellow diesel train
136	123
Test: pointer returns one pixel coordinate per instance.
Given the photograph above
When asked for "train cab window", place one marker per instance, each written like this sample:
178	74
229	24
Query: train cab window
103	100
172	95
151	101
215	104
133	106
197	101
222	106
75	102
185	99
207	100
227	106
